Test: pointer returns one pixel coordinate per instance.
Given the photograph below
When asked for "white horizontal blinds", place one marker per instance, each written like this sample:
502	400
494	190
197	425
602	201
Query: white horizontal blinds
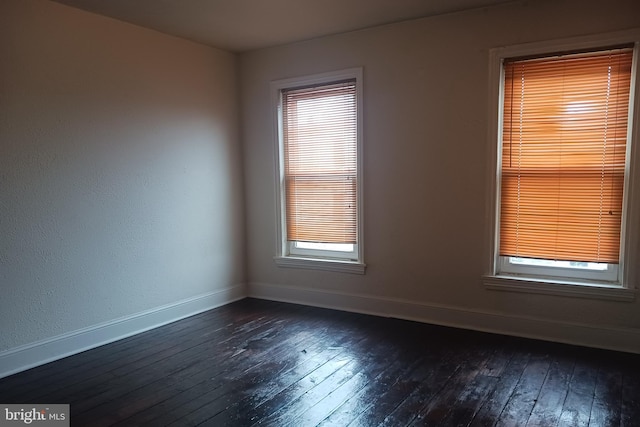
563	156
320	149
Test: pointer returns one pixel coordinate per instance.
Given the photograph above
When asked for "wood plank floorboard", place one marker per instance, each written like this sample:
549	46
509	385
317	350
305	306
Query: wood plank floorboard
248	375
576	410
431	378
494	403
607	401
631	396
264	363
553	394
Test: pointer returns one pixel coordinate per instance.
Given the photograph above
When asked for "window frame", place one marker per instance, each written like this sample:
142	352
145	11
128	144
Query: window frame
286	253
552	280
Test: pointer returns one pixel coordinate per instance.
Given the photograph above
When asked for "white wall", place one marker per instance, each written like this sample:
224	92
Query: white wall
120	172
426	88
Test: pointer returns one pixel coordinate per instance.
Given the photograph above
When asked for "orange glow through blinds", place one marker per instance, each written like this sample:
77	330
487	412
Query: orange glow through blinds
320	156
564	139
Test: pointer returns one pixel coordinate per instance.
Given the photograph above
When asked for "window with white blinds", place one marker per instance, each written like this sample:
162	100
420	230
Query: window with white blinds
319	167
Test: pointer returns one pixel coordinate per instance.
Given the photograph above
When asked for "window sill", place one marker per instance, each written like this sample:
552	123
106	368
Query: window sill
321	264
558	287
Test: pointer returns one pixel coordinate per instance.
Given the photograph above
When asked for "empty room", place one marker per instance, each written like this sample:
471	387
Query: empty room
337	212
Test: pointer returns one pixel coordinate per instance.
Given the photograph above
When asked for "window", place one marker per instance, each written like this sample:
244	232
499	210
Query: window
319	173
563	162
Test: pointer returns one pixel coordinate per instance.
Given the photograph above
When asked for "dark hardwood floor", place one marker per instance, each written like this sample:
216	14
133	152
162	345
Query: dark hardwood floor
265	363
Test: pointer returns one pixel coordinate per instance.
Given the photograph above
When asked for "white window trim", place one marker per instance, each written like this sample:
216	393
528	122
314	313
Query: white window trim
624	288
608	276
283	256
319	253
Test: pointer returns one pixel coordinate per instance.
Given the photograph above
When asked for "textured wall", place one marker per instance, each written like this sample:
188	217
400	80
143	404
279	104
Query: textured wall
120	170
426	88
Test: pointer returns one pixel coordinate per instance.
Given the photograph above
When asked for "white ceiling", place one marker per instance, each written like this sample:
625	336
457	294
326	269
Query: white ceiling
241	25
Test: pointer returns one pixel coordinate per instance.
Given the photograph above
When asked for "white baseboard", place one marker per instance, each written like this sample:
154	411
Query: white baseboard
605	337
38	353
